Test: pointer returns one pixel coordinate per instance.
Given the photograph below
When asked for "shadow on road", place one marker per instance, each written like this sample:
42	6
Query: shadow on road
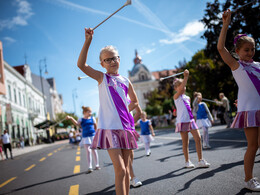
44	182
211	173
167	176
104	191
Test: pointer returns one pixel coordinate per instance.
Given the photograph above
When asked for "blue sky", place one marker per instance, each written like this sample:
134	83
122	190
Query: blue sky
163	32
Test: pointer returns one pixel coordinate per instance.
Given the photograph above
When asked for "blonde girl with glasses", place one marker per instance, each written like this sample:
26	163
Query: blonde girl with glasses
115	131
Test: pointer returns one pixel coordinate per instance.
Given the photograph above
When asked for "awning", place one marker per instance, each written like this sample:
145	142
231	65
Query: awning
45	124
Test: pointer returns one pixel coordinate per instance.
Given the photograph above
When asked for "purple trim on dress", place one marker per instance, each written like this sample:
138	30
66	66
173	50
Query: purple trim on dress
255	80
126	118
247	119
188	107
114	138
182	127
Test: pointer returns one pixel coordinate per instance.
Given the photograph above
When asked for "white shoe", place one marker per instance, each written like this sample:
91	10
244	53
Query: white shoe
189	164
253	185
135	182
203	164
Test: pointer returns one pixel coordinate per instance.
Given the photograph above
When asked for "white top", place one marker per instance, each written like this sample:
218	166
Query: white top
182	111
6	138
108	116
248	97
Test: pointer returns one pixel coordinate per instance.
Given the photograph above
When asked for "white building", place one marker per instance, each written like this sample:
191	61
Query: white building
145	81
22	106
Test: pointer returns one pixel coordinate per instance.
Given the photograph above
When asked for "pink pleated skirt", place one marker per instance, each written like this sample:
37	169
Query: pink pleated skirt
182	127
247	119
115	139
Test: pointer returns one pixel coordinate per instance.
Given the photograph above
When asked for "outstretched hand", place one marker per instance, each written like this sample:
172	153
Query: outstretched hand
226	17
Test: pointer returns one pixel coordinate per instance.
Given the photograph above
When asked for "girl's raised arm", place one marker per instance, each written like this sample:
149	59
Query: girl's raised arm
182	85
224	53
97	75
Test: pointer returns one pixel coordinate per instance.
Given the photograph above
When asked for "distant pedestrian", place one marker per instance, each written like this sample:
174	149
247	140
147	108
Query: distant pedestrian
115	122
89	126
1	148
225	108
22	142
147	132
204	119
246	73
7	144
185	122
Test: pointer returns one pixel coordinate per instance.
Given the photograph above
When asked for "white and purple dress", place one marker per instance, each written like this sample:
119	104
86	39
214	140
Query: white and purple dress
116	127
247	77
185	120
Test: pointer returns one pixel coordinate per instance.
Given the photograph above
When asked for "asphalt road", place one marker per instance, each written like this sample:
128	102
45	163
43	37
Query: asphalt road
60	169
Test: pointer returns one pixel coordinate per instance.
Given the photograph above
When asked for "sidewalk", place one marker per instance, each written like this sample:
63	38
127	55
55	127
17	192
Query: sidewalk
27	149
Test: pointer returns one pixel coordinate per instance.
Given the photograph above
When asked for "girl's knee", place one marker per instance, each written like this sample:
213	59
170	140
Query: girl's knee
120	172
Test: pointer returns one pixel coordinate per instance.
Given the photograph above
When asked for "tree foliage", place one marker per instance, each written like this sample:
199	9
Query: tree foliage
208	73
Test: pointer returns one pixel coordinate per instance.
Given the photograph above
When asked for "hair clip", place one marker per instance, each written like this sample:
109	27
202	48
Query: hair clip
238	37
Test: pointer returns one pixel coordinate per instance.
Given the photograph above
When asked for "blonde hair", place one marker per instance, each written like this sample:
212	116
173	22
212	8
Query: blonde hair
144	113
85	109
109	48
241	39
177	83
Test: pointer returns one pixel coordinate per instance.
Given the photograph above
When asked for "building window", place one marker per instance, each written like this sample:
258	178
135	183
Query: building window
15	99
20	98
9	92
30	103
143	76
24	101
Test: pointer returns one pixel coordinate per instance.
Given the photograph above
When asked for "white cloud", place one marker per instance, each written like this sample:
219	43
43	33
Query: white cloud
9	39
190	30
24	12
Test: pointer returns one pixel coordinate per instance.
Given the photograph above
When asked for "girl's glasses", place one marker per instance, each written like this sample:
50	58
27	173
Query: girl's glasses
109	60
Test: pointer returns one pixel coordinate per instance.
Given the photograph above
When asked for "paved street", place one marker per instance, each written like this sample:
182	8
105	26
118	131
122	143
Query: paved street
60	168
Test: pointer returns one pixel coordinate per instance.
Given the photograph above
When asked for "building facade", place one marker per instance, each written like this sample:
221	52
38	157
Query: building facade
145	81
22	106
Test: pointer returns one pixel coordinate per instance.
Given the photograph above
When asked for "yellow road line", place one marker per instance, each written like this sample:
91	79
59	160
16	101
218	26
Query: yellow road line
74	190
30	167
78	153
50	154
55	151
78	149
76	169
42	159
77	158
6	182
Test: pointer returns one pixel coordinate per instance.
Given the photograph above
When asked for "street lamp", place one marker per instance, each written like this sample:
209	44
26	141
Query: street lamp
74	95
46	72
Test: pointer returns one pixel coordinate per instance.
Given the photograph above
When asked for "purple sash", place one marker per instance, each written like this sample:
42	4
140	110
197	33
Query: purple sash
253	73
126	118
188	107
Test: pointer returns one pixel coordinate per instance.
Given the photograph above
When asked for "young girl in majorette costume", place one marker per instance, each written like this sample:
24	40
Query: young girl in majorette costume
185	122
146	129
89	126
247	76
204	118
115	131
